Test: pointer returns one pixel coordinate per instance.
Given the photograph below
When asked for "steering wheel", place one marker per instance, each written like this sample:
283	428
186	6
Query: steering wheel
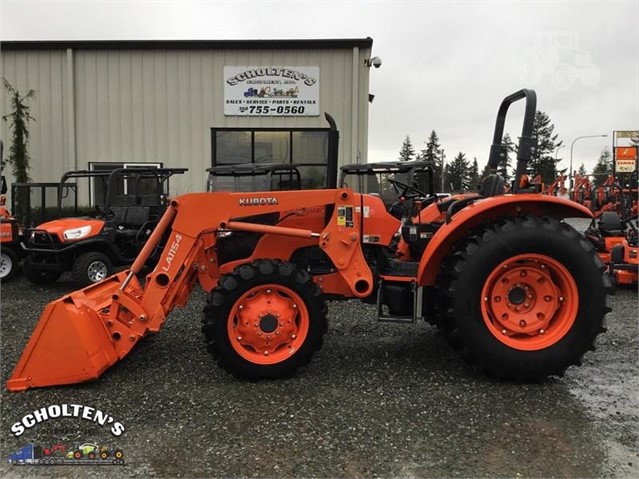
405	191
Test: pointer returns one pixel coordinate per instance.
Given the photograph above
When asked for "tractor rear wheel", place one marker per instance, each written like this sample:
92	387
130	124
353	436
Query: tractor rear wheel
39	276
8	264
264	320
525	298
91	268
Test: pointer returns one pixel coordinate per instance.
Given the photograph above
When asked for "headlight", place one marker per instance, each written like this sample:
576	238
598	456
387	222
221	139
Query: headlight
77	233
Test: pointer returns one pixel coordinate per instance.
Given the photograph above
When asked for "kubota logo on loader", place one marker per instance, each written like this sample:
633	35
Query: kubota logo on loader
261	201
172	252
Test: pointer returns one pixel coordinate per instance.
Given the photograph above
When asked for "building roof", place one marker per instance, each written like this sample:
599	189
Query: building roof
185	44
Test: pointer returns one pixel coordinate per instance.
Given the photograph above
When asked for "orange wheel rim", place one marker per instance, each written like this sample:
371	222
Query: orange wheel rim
529	302
268	324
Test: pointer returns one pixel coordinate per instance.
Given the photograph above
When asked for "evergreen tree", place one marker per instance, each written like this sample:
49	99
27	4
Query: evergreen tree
582	170
603	168
505	163
473	176
18	156
542	162
434	153
457	174
407	153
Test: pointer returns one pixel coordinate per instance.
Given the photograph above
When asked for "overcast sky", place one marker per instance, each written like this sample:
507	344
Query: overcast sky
446	65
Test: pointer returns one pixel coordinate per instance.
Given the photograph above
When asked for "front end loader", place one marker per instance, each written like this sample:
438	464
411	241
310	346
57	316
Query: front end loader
517	291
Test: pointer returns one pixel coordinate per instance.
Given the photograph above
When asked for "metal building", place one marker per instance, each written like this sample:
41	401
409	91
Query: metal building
102	104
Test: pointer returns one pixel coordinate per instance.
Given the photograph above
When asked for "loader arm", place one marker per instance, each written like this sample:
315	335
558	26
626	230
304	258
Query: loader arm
89	330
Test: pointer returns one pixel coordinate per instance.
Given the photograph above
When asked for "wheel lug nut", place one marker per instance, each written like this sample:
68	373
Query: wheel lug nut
522	323
504	332
526	305
542	331
265	353
240	307
293	336
547	299
268	291
530	296
561	299
239	338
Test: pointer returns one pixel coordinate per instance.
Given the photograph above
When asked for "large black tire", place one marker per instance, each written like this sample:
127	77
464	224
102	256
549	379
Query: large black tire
524	298
9	264
38	276
241	318
91	268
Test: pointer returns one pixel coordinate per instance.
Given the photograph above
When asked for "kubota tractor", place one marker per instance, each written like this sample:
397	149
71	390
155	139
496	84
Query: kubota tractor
128	203
616	243
518	292
10	235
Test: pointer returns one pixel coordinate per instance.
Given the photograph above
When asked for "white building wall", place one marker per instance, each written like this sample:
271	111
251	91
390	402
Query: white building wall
158	105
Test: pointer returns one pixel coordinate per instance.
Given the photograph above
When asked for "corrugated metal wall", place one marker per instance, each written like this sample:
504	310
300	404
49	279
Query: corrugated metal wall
154	105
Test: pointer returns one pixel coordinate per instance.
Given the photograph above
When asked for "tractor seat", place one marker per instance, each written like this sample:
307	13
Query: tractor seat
610	224
492	185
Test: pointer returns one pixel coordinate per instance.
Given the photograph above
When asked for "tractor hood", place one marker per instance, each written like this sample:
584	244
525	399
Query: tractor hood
68	230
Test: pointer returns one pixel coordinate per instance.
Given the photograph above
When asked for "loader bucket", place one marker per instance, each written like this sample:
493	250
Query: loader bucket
72	341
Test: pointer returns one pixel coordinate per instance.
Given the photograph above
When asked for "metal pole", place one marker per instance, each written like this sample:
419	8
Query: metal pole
570	172
443	168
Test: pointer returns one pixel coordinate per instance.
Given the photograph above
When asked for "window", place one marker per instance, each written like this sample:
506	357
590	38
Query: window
306	148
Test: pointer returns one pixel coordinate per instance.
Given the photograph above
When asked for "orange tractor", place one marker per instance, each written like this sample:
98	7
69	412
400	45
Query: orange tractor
10	234
616	241
518	292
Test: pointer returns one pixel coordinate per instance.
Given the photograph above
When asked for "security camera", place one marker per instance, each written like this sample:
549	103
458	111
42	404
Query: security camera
376	62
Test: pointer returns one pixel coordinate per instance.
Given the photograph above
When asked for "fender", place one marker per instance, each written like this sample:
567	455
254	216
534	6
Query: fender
485	210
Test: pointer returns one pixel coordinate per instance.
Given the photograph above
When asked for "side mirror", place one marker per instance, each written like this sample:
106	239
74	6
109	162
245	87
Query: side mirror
3	186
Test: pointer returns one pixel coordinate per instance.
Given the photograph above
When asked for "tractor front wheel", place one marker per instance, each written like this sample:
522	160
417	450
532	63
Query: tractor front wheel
525	298
264	320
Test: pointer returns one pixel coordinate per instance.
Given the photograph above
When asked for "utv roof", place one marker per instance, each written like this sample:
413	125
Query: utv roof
386	166
151	170
248	169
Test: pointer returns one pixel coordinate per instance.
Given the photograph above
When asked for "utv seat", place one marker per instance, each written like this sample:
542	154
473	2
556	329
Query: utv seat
136	217
116	214
124	200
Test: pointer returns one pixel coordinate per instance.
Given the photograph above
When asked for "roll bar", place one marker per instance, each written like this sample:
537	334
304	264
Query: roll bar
527	144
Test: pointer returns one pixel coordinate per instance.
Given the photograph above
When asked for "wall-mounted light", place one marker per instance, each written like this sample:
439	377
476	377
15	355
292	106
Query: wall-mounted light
373	62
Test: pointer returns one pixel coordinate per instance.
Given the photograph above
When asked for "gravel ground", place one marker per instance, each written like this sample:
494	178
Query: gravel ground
379	400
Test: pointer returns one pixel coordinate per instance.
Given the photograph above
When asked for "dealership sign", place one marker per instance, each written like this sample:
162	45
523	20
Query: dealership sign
271	91
625	159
